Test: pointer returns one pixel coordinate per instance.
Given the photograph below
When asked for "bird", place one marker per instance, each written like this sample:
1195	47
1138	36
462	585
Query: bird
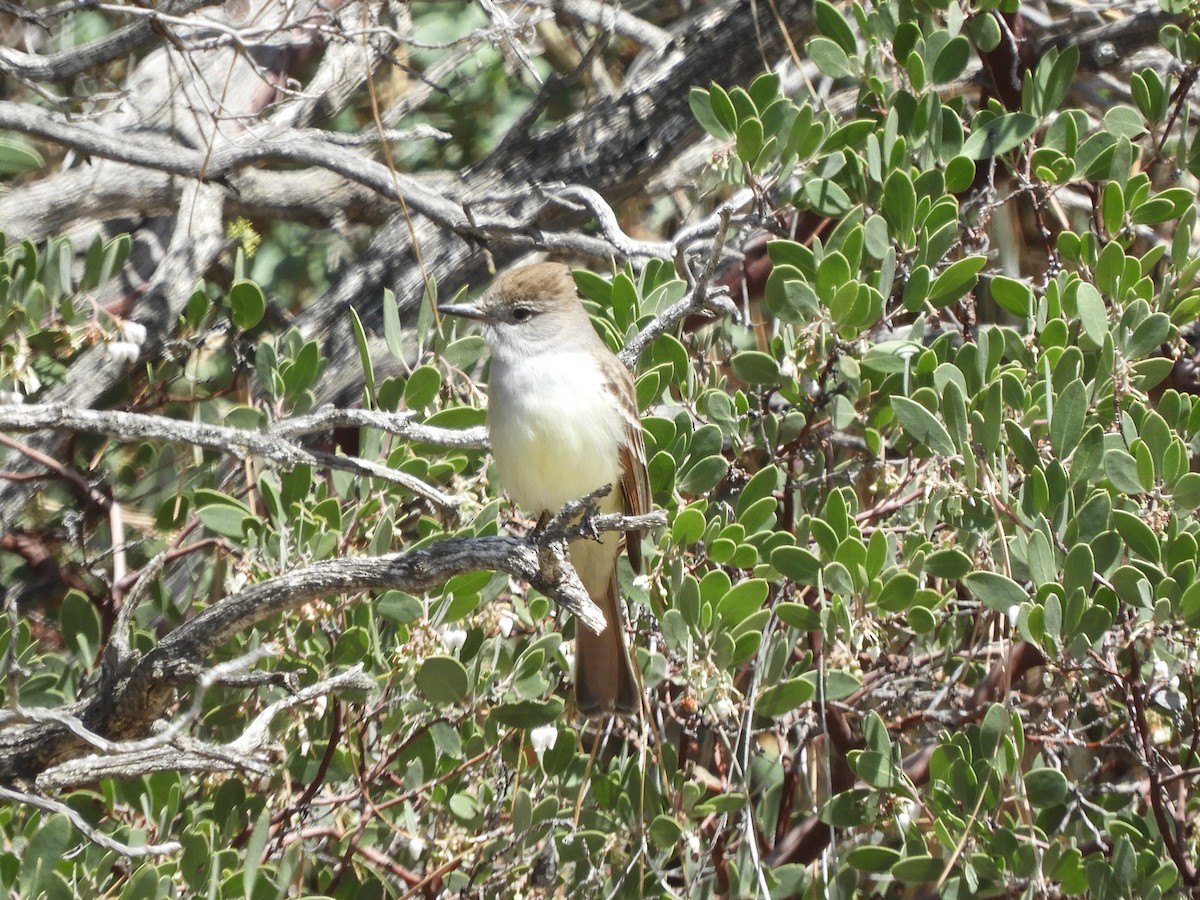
563	422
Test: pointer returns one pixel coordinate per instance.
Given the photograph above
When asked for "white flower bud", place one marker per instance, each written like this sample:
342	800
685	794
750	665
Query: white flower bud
543	738
1160	670
453	639
1014	613
124	351
507	621
133	332
416	847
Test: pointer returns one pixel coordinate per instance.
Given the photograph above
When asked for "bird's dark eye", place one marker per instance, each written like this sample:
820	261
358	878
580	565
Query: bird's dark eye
522	314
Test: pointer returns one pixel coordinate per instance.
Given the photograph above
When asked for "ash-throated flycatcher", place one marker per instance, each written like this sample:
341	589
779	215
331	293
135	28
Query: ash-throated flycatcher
563	421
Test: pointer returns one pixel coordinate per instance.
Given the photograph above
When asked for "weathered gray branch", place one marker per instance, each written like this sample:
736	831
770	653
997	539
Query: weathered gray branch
236	442
181	753
68	63
400	424
54	806
137	693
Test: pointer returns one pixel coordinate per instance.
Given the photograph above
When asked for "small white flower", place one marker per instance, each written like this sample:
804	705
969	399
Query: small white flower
416	847
133	332
1014	612
569	657
642	582
1173	682
693	843
722	708
507	621
543	738
1160	670
124	351
904	815
453	639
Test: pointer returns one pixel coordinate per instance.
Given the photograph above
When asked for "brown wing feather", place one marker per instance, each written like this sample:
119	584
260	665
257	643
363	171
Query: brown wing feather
635	481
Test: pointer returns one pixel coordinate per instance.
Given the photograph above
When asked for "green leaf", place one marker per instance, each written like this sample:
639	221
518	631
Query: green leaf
398	607
749	140
898	593
1070	412
221	513
442	679
364	353
949	562
422	387
797	615
782	698
831	23
997	136
955	280
723	107
1137	534
1186	491
995	591
704	475
762	485
529	713
900	204
872	858
393	334
825	196
1012	295
80	626
921	424
918	869
18	155
665	831
754	367
1124	121
1121	469
951	60
764	90
247	304
797	563
830	58
702	108
1045	787
742	600
838	685
1148	335
1093	314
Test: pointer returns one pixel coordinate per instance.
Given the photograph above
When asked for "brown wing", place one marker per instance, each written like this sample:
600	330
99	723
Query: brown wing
635	481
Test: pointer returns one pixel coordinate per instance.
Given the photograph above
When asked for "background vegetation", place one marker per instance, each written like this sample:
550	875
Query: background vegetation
910	289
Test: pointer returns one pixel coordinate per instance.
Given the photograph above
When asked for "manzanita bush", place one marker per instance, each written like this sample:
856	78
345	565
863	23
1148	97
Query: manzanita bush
924	613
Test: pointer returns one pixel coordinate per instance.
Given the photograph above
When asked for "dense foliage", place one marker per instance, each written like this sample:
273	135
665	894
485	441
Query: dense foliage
924	611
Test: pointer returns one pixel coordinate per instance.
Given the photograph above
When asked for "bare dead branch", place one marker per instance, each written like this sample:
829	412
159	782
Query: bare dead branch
236	442
399	424
54	806
68	63
175	752
134	696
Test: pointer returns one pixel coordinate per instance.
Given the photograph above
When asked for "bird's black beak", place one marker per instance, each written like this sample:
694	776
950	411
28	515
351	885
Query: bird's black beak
464	310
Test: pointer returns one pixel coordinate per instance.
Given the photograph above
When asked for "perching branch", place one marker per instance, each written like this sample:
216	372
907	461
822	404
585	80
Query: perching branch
135	695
